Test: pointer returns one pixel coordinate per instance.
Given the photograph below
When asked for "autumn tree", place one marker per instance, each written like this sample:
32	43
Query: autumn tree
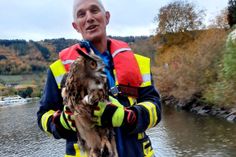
220	21
179	16
232	12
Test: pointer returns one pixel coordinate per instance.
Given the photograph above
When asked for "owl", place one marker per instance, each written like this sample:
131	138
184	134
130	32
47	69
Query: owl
85	86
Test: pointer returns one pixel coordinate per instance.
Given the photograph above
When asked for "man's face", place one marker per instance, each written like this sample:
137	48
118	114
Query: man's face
90	19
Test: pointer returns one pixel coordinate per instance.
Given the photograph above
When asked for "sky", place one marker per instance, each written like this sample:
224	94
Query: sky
47	19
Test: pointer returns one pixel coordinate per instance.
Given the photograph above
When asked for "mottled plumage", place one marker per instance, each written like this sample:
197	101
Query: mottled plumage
85	85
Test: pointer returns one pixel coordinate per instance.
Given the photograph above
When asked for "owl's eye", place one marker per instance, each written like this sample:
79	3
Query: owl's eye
93	64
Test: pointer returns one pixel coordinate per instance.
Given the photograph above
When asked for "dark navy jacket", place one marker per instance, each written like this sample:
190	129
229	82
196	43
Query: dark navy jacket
130	143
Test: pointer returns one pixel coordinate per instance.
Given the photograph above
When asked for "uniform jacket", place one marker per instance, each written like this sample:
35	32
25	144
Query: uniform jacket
145	99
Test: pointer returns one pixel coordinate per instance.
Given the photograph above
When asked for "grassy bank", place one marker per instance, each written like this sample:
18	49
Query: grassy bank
13	84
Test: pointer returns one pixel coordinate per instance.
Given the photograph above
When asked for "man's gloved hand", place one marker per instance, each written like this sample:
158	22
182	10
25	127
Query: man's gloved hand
114	114
64	119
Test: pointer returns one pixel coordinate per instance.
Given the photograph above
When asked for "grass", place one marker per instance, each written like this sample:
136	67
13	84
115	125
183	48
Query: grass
29	79
21	82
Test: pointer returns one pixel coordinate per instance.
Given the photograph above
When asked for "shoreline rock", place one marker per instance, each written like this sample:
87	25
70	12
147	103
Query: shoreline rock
199	108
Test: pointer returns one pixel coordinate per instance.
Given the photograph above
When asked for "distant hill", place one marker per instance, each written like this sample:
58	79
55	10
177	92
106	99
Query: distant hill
25	57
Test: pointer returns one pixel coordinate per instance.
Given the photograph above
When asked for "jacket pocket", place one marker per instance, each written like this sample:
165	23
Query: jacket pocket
146	146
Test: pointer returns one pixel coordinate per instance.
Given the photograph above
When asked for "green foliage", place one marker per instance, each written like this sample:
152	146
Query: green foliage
130	39
223	90
37	79
11	67
221	93
19	46
24	85
26	92
61	43
45	52
229	69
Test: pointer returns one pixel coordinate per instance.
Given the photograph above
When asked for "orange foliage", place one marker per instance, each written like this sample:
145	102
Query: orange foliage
186	69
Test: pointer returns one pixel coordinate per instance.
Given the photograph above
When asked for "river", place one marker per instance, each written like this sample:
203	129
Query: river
178	134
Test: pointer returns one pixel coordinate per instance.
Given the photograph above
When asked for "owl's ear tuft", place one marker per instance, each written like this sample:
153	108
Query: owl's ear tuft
86	56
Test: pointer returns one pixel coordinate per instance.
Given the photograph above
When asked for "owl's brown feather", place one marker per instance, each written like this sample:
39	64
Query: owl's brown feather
85	85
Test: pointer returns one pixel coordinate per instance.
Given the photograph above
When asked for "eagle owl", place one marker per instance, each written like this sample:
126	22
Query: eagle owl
85	85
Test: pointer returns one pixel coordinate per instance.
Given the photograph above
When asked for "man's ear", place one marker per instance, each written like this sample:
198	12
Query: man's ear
75	27
107	17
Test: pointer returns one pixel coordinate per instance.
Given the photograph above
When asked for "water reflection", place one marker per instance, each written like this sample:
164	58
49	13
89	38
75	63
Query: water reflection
184	134
178	134
21	137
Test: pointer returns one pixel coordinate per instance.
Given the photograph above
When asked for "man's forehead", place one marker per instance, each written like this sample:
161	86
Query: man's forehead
78	5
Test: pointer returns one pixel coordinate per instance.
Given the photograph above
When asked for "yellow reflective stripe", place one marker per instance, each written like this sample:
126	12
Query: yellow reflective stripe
44	120
152	112
145	67
69	156
148	152
63	123
118	118
58	71
78	152
132	100
140	136
114	72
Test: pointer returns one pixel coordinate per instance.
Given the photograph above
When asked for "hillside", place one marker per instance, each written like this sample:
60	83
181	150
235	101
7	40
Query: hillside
26	57
22	57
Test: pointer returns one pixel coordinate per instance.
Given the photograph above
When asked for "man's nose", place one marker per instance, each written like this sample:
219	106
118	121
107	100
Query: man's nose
90	17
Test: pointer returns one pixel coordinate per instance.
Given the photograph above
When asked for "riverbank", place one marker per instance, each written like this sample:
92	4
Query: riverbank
202	109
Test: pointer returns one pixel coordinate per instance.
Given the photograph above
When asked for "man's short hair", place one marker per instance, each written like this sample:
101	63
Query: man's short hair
76	1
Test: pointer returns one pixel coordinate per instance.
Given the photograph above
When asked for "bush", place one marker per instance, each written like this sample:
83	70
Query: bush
26	92
187	69
223	90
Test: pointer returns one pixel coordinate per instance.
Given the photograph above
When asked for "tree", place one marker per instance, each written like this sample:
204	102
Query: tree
221	20
232	12
26	92
179	16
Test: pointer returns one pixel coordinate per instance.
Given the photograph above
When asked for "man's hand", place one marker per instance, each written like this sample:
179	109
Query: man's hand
64	119
114	114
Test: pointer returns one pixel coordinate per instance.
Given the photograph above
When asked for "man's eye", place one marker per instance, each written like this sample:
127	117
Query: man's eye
80	14
95	10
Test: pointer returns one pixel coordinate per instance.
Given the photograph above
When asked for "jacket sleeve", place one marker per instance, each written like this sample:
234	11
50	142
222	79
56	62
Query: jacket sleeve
148	108
50	102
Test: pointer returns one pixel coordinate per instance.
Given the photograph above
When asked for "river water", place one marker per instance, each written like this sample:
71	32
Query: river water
178	134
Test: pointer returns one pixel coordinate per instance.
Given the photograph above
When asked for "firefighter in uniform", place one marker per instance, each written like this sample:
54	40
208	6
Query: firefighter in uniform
135	103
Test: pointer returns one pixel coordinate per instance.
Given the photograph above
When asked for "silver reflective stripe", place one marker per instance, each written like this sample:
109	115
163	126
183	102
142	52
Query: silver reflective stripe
146	77
58	80
120	50
67	62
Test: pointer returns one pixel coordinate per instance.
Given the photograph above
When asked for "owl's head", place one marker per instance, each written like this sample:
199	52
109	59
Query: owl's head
86	77
93	64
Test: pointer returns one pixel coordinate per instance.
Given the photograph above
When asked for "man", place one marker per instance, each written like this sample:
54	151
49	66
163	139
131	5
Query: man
129	82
